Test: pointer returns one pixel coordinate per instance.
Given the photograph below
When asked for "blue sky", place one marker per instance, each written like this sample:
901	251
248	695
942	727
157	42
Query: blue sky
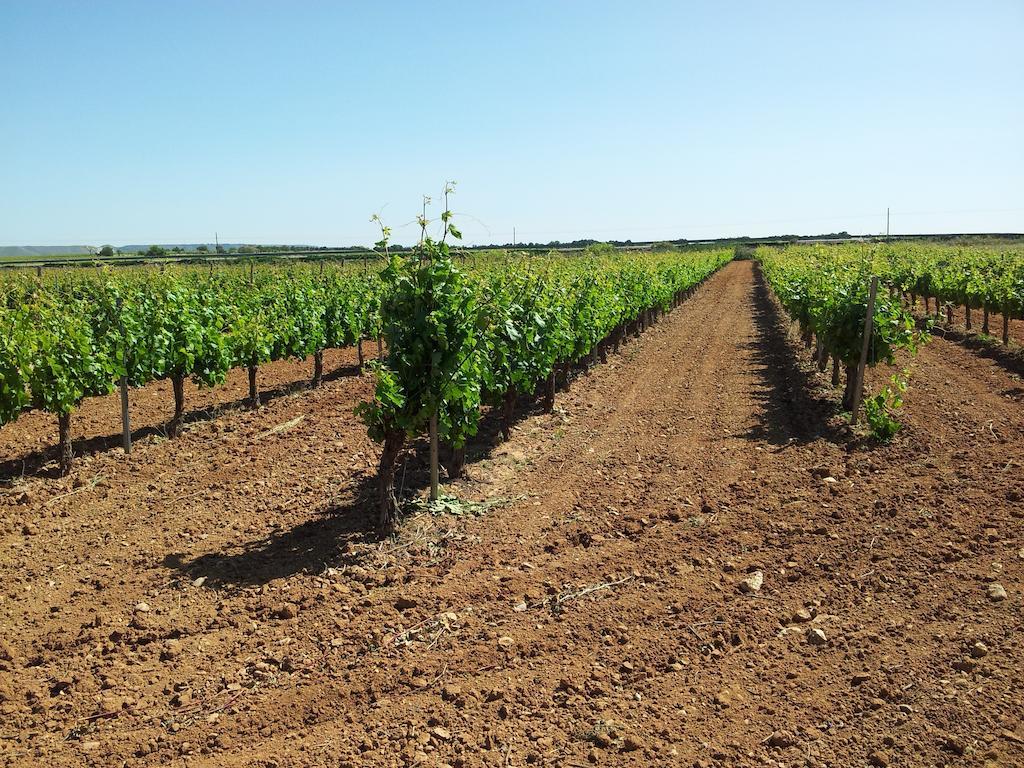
129	122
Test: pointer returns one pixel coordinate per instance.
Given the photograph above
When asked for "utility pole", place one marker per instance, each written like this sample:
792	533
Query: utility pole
887	224
513	237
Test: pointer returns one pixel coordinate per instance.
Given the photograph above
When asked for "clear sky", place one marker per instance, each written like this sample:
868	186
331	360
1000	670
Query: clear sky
293	122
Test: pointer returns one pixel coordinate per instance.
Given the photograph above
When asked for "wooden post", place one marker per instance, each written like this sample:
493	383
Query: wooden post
549	392
865	345
64	440
126	427
318	367
433	457
254	392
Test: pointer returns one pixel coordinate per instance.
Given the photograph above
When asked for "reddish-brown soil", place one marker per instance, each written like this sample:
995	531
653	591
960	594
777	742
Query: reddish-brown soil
217	600
28	445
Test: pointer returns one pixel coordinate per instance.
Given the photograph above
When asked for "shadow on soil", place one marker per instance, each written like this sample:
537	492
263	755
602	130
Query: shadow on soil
795	406
309	547
332	538
43	463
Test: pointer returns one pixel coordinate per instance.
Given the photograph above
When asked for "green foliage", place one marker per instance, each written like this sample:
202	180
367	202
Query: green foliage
882	409
13	363
600	249
825	287
459	338
458	333
184	331
524	335
66	360
62	342
105	252
826	290
430	323
974	276
744	252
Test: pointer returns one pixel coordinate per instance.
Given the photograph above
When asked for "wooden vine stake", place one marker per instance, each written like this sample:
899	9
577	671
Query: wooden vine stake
862	364
126	427
433	457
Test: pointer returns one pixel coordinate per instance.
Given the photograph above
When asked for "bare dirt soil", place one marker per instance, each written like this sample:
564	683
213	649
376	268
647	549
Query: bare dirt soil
691	562
28	445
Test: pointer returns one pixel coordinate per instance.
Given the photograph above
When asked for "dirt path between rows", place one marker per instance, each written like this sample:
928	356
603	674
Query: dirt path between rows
216	601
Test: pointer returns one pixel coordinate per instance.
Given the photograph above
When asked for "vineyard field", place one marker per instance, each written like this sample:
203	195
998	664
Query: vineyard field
580	593
979	287
76	336
479	385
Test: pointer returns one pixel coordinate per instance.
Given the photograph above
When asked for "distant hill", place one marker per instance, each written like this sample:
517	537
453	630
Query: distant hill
42	250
